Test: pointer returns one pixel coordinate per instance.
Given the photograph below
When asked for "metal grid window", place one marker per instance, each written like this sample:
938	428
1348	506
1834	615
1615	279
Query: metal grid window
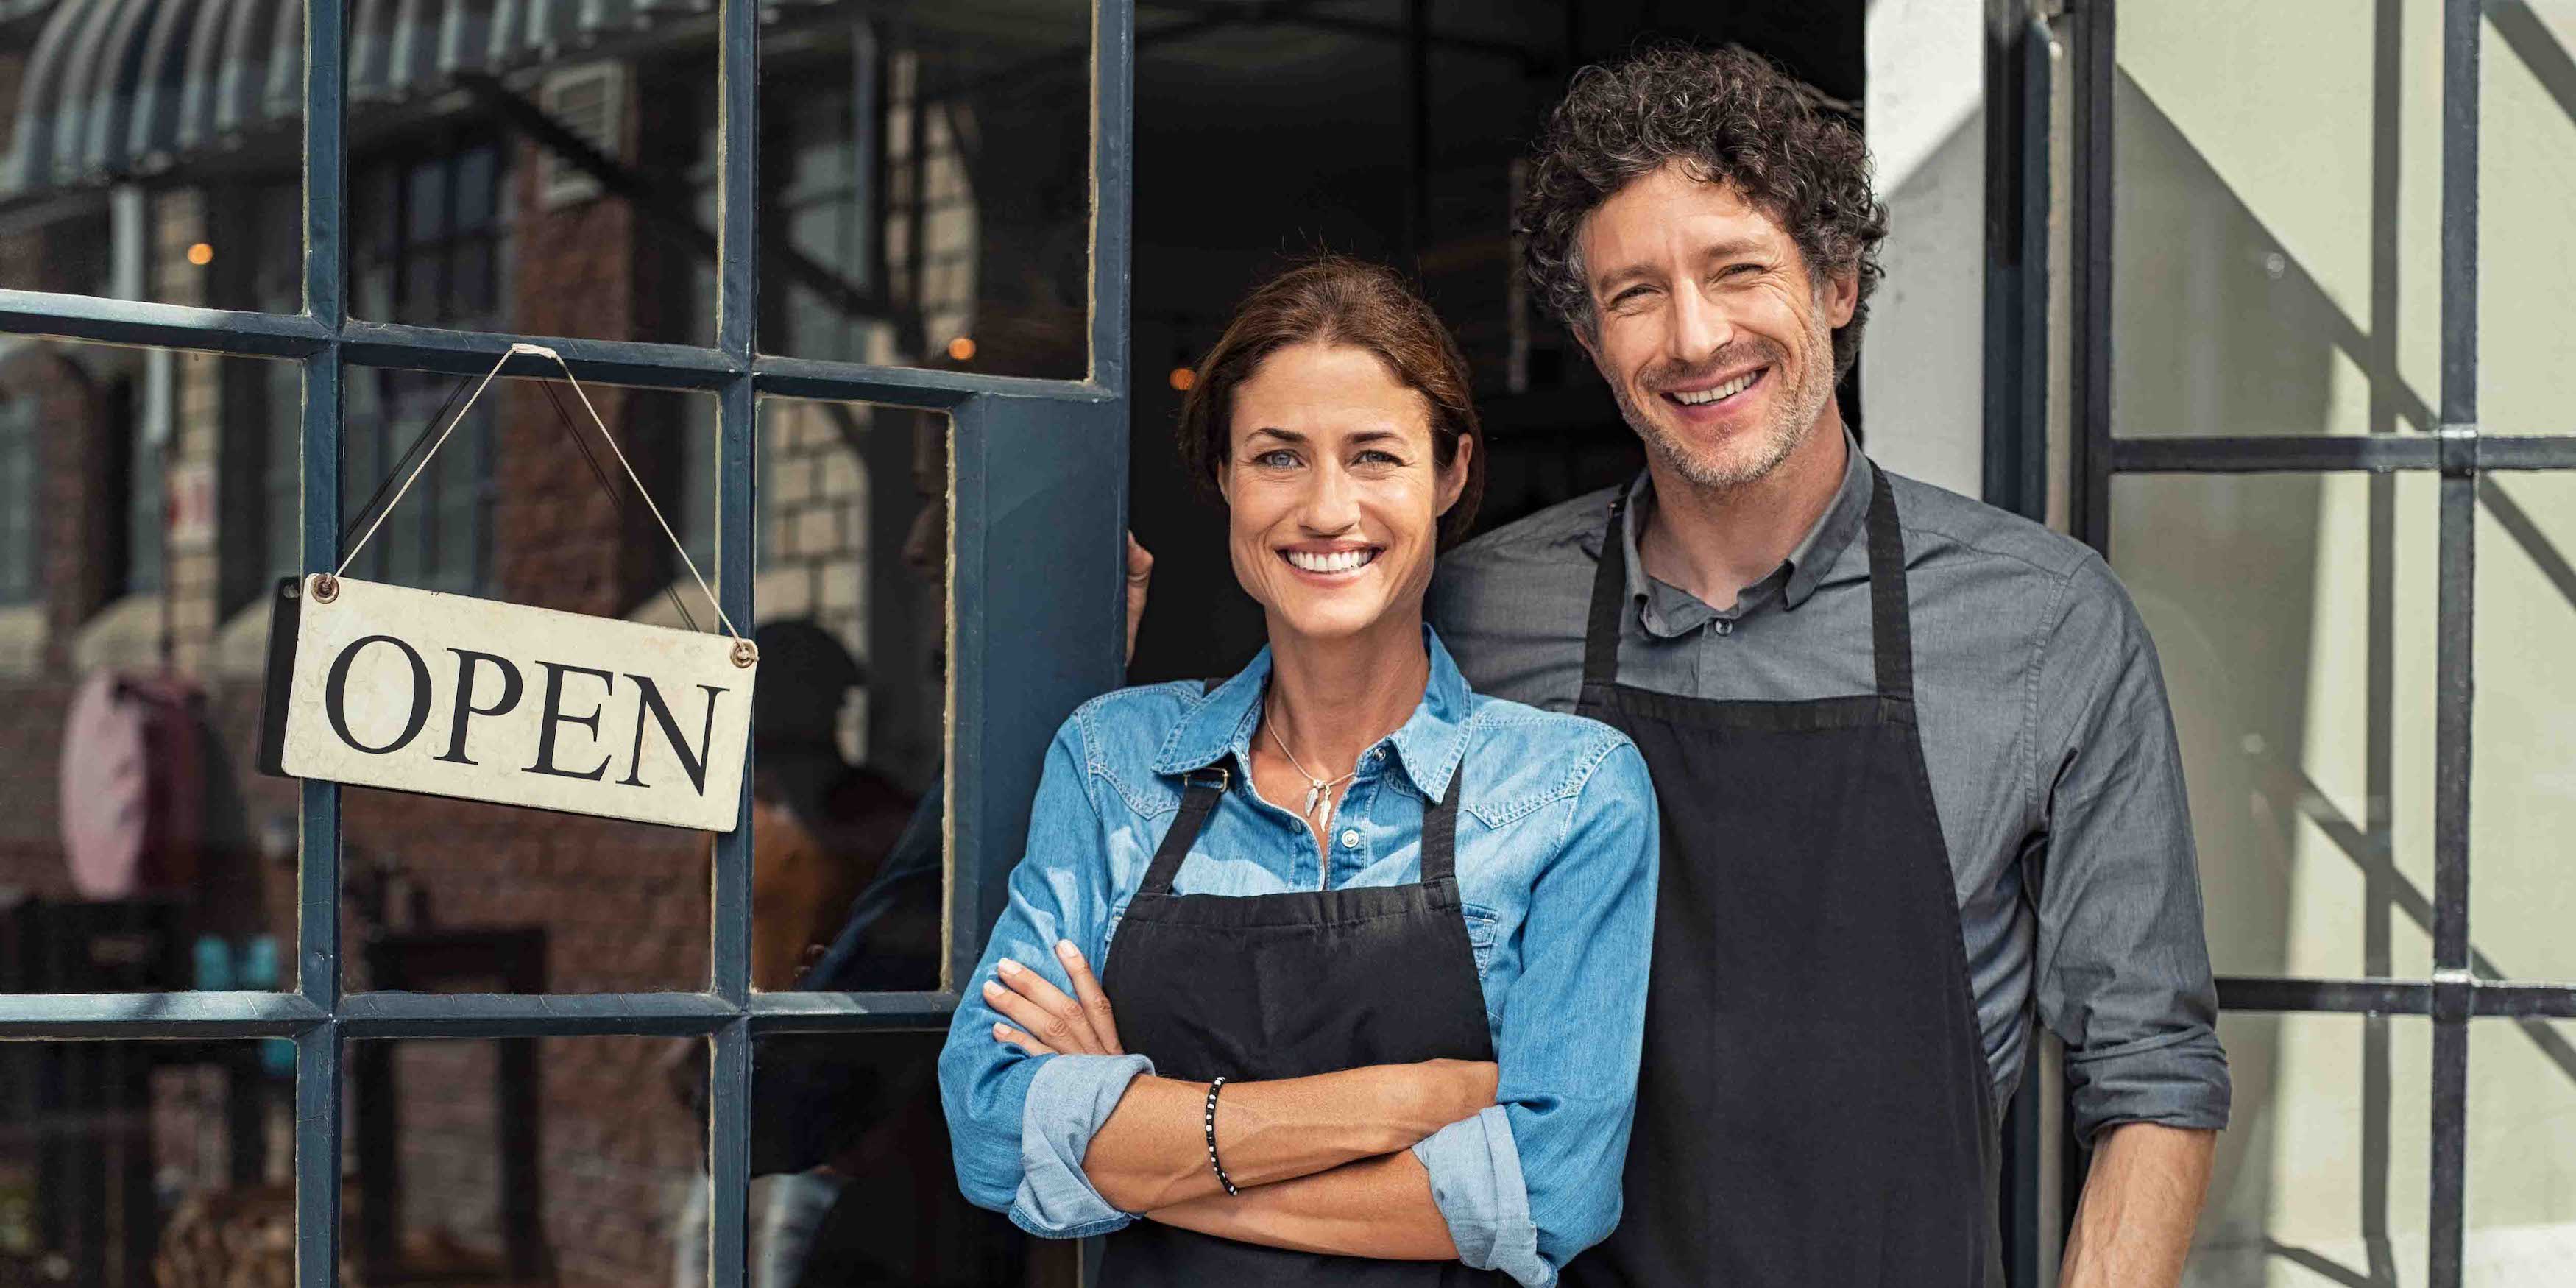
2462	991
1031	463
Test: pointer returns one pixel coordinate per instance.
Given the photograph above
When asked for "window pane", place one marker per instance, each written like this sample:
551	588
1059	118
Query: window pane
511	510
2522	807
2275	268
2322	1175
530	178
2522	1151
139	848
2526	269
928	184
152	158
849	729
2294	617
852	1181
526	1160
147	1162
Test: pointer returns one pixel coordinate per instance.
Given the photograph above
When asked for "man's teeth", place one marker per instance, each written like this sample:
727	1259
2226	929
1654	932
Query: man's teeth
1337	561
1728	390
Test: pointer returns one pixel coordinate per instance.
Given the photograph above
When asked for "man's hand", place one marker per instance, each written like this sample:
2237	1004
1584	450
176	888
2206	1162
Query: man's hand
1140	574
2141	1200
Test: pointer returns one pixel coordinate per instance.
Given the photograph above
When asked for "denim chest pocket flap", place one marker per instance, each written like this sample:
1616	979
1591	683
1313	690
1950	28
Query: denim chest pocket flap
1481	925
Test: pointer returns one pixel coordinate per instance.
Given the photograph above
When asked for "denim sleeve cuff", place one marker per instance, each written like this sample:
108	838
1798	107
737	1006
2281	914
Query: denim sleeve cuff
1071	1096
2176	1079
1475	1171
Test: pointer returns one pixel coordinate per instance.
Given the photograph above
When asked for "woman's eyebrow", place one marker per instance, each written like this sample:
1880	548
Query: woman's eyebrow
1283	435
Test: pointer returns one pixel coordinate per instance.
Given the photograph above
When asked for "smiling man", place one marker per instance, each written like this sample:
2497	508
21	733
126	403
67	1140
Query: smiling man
1917	773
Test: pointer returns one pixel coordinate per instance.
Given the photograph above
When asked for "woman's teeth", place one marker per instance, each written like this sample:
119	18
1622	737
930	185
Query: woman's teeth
1730	389
1337	561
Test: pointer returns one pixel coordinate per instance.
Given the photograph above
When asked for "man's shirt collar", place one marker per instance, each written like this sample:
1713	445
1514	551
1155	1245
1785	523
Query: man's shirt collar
1671	611
1428	744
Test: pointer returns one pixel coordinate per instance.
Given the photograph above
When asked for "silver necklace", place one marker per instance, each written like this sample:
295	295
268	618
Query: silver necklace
1318	790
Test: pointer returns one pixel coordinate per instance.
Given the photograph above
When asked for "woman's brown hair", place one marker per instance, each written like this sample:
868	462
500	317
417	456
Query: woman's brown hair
1337	300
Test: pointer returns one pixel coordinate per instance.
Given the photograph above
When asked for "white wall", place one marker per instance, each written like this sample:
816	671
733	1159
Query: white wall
1922	363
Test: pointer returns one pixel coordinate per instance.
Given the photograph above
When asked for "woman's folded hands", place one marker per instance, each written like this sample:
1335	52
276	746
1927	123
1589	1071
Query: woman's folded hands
1152	1152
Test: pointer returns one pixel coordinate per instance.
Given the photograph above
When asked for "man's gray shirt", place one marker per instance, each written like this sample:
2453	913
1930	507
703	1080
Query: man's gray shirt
2045	730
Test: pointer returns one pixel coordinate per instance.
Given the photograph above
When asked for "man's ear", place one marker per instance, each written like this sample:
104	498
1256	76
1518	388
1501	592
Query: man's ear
1453	481
1842	296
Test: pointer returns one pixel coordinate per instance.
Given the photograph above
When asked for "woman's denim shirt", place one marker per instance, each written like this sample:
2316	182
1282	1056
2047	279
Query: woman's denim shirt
1556	868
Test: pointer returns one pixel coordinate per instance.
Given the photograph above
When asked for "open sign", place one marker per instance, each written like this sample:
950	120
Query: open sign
385	686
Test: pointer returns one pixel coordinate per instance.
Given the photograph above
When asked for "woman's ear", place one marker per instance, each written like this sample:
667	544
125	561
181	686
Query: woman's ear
1453	481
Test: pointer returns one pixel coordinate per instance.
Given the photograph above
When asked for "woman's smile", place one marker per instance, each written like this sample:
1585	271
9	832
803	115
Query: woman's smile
1331	563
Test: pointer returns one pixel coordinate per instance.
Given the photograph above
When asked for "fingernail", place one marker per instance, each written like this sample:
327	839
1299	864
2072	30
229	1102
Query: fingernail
992	989
1008	967
1001	1031
1064	948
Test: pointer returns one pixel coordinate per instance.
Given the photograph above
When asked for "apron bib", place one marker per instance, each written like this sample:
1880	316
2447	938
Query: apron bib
1282	986
1814	1108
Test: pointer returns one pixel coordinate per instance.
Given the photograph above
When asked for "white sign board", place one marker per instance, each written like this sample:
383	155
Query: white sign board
384	686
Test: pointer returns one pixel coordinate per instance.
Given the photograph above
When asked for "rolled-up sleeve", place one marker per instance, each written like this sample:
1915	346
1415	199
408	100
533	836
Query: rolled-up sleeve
1532	1181
2124	973
1019	1124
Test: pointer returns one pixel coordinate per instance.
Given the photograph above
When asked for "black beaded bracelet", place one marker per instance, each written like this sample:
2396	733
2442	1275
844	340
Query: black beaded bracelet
1221	1177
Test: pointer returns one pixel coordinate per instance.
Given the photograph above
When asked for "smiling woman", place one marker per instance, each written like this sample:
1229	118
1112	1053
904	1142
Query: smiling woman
1387	1037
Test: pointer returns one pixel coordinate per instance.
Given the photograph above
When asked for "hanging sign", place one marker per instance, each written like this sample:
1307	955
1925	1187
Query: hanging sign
387	686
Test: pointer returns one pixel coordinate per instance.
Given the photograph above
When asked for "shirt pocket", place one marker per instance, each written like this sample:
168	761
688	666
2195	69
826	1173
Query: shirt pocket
1481	924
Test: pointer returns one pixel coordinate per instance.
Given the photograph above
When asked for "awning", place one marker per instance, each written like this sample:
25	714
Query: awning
118	88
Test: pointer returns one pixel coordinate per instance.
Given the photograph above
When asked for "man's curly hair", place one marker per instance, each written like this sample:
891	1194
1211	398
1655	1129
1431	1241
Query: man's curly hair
1729	115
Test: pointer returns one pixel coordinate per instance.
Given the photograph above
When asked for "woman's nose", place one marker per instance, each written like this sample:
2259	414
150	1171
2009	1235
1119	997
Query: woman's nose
1332	503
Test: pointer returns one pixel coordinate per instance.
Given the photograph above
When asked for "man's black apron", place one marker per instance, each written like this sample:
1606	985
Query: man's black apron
1814	1109
1282	986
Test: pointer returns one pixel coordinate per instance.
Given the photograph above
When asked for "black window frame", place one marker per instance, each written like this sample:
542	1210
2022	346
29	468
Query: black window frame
1038	473
2459	451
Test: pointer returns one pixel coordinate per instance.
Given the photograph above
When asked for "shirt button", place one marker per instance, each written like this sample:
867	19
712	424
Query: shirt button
1350	838
1725	627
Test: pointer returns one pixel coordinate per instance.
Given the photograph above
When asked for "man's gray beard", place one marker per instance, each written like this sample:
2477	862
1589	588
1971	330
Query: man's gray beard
1778	438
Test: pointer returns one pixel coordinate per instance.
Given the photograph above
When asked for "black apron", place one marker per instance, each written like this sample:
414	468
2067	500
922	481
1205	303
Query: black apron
1814	1109
1283	986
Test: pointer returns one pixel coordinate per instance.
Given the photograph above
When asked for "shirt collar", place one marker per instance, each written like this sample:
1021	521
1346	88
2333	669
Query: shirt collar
1428	745
1808	562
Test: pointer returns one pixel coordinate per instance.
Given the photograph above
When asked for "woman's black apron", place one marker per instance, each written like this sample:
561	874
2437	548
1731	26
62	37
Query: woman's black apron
1282	986
1814	1109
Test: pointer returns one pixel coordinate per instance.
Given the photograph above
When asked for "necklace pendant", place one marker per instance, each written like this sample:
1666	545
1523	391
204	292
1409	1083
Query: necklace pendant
1313	794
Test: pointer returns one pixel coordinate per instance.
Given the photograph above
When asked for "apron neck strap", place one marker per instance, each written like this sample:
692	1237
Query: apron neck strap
1609	597
1207	786
1890	621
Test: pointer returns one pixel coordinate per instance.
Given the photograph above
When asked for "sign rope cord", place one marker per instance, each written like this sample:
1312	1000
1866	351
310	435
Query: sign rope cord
539	350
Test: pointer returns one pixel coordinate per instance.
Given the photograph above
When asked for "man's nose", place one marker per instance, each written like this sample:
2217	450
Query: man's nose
1700	328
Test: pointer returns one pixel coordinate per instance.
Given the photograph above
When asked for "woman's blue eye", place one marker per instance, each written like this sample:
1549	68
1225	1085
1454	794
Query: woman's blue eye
1277	456
1379	457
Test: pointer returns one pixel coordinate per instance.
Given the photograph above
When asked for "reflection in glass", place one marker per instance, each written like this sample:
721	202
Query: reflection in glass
461	896
852	1183
2522	805
848	721
155	151
139	851
2294	617
2521	1151
926	173
523	1160
2275	268
126	1164
2322	1174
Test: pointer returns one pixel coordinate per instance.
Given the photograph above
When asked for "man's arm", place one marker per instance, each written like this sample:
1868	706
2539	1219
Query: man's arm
2141	1200
2123	968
